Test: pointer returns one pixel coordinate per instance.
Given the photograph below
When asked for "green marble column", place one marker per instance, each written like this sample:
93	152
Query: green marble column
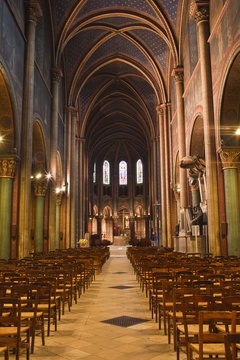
7	170
40	189
230	157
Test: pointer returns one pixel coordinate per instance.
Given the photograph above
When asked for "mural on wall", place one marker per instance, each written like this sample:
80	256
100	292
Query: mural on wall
12	51
44	43
192	100
224	38
42	101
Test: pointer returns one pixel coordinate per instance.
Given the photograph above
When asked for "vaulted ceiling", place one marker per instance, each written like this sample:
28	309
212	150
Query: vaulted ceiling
117	56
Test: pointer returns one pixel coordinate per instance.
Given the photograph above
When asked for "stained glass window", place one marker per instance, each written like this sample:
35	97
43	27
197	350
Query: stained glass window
94	172
106	173
139	169
123	173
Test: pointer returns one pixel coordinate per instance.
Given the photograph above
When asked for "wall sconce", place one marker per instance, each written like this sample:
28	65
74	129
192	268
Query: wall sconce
178	188
1	138
237	132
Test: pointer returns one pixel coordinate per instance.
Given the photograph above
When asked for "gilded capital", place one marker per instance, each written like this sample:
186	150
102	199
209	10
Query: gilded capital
230	157
34	11
59	198
201	11
178	74
40	186
56	75
161	108
8	166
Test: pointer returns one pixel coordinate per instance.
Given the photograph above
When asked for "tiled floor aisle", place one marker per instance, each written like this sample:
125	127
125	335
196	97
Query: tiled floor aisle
82	334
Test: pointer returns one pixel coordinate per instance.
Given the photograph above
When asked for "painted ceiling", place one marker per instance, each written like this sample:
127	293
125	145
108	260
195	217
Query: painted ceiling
117	56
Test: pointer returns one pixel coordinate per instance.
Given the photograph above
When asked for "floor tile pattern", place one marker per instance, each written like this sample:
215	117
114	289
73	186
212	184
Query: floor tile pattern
124	321
82	334
121	287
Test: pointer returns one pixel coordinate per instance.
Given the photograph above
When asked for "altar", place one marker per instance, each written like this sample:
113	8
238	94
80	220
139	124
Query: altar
120	240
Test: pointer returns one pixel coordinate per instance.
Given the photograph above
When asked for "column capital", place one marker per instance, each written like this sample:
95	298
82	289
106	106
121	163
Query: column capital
201	11
8	166
178	74
59	198
230	156
40	186
161	108
34	11
56	75
72	109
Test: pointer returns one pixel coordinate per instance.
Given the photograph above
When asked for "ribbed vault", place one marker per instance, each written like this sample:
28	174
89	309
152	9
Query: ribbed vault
117	55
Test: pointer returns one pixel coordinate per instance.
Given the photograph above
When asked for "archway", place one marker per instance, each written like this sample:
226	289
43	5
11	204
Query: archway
8	162
230	153
107	224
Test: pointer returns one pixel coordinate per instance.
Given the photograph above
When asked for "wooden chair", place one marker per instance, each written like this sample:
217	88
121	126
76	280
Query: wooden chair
12	332
231	342
4	349
187	327
210	343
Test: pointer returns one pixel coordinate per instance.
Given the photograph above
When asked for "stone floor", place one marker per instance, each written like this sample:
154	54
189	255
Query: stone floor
83	334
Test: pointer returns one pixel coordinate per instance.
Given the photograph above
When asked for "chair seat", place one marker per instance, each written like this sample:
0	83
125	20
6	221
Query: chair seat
11	330
211	348
45	306
30	314
193	329
222	328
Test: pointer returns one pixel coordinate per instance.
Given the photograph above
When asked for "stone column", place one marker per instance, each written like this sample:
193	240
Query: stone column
167	177
161	118
82	187
202	20
99	226
73	178
33	14
230	160
132	227
179	77
40	189
56	77
58	217
68	177
153	184
7	172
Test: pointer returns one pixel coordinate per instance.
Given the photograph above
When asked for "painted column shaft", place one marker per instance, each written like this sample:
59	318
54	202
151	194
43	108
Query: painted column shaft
73	179
163	184
33	14
56	77
178	75
5	216
38	228
167	180
202	18
232	210
68	177
58	211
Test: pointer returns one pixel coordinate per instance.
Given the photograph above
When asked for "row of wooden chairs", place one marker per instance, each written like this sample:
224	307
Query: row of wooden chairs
198	302
36	290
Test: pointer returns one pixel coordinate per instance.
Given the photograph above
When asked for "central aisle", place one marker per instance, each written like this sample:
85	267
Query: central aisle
83	334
